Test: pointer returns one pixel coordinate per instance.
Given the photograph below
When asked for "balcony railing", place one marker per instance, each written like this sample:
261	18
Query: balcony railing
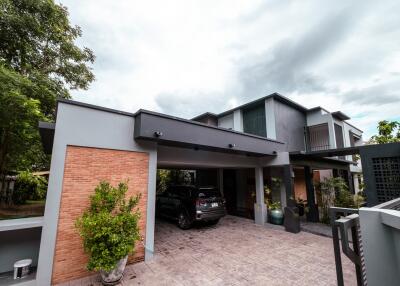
319	148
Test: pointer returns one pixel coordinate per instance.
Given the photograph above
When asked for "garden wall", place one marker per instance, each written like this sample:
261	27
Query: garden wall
84	169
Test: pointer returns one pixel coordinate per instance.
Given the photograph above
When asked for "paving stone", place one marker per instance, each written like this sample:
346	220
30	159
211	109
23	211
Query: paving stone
235	252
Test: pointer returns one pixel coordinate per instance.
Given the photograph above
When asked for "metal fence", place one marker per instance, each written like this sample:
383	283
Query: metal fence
347	239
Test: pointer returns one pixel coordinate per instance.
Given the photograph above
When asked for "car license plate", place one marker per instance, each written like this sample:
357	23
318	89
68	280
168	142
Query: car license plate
213	205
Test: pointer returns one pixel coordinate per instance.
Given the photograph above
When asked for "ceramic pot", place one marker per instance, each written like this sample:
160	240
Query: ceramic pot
276	216
114	276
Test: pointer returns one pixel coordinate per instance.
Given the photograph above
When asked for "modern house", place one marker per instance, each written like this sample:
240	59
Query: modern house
240	151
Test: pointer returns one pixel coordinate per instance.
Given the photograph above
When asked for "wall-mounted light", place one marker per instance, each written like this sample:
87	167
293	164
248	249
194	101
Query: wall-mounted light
158	134
232	145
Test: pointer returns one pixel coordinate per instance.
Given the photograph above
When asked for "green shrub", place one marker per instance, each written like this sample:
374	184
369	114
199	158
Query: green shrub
29	187
109	227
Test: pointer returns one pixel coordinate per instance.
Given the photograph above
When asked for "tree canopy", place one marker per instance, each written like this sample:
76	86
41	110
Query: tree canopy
388	132
39	62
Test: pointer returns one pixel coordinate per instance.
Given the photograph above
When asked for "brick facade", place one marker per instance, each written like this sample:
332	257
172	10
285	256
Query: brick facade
84	169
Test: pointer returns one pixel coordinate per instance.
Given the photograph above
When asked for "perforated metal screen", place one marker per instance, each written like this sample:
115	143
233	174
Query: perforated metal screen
387	177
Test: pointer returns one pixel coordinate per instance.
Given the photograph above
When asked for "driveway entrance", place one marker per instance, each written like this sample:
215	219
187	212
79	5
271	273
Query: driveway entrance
235	252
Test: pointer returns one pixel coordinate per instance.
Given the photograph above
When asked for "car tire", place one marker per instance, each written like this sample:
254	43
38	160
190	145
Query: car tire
184	220
213	222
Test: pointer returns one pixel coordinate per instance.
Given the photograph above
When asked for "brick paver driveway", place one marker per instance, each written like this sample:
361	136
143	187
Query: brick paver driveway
236	252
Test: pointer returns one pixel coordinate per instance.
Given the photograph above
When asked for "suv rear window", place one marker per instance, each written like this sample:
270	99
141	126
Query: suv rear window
208	192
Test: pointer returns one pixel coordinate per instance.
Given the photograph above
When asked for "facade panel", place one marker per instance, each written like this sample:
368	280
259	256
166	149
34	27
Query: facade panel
84	169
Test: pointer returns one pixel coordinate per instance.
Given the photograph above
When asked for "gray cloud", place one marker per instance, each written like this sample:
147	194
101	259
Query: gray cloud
288	66
379	94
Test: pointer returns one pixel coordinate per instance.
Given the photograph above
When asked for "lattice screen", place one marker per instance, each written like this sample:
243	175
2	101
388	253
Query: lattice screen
387	178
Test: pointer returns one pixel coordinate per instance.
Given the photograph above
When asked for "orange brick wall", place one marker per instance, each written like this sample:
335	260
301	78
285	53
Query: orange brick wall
84	169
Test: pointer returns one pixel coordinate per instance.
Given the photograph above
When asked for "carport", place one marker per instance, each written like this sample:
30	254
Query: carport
241	161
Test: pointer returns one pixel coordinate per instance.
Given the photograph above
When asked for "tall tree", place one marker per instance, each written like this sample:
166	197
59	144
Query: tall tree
39	61
37	41
388	132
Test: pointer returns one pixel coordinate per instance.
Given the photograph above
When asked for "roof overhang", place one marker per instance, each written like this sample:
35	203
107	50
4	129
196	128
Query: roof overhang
46	131
340	115
174	131
329	152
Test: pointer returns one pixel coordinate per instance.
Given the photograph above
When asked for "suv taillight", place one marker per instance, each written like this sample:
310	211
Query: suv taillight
201	202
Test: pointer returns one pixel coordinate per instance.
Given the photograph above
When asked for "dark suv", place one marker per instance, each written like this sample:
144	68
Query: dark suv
187	204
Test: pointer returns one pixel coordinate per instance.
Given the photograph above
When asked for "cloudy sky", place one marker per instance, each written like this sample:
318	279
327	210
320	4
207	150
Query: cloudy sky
187	57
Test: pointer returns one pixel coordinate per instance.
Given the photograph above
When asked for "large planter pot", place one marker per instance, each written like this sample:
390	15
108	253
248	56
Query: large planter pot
276	216
114	276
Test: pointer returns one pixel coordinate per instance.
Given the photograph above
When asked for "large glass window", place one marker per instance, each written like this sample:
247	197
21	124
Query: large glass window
254	121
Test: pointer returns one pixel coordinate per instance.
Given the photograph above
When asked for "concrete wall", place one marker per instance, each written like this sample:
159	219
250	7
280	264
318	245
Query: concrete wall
290	124
83	126
226	121
19	244
380	231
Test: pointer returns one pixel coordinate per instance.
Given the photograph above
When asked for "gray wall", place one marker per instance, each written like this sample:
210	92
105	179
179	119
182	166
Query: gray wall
380	231
85	126
290	124
19	244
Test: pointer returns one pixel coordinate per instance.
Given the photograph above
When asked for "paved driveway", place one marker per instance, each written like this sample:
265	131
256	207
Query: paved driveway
236	252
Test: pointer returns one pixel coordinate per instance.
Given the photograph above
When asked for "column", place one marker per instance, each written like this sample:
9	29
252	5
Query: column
289	186
312	214
260	210
221	181
270	118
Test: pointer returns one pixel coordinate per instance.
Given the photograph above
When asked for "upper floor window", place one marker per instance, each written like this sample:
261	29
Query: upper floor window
254	121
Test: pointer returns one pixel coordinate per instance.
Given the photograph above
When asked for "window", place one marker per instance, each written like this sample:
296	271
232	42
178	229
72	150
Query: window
254	121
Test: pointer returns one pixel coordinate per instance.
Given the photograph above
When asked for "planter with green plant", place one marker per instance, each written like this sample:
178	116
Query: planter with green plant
109	229
276	213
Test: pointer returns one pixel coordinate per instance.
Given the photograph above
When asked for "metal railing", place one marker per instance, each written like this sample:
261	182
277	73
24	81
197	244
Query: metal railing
345	232
319	148
347	238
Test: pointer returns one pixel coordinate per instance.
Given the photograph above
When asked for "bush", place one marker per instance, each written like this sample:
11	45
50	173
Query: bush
29	187
109	227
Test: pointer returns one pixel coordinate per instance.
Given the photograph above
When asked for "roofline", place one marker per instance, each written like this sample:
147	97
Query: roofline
274	95
205	125
353	126
105	109
93	106
204	115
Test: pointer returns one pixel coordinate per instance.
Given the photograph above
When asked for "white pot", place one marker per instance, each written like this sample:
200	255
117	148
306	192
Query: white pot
114	276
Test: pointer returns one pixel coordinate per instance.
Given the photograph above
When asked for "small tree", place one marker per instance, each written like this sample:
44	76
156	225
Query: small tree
328	188
388	132
109	227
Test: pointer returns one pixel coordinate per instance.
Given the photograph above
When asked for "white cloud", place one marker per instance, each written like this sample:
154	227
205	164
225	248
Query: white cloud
187	57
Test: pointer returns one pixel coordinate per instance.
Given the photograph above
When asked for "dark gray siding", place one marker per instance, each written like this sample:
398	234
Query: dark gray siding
185	133
290	123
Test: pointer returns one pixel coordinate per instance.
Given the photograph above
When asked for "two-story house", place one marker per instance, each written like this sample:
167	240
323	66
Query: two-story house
271	141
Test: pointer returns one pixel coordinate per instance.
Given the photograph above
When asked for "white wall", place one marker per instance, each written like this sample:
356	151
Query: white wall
238	120
270	118
226	121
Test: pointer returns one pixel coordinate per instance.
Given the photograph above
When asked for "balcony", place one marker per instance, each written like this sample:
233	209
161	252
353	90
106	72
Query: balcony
318	138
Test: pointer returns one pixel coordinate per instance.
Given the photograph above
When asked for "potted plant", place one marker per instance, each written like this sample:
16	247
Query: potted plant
276	213
109	229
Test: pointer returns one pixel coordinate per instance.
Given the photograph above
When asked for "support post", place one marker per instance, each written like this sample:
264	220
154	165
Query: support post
312	214
260	210
221	181
350	181
289	186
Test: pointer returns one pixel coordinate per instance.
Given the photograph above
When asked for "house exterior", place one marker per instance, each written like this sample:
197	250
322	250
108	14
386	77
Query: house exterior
244	148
